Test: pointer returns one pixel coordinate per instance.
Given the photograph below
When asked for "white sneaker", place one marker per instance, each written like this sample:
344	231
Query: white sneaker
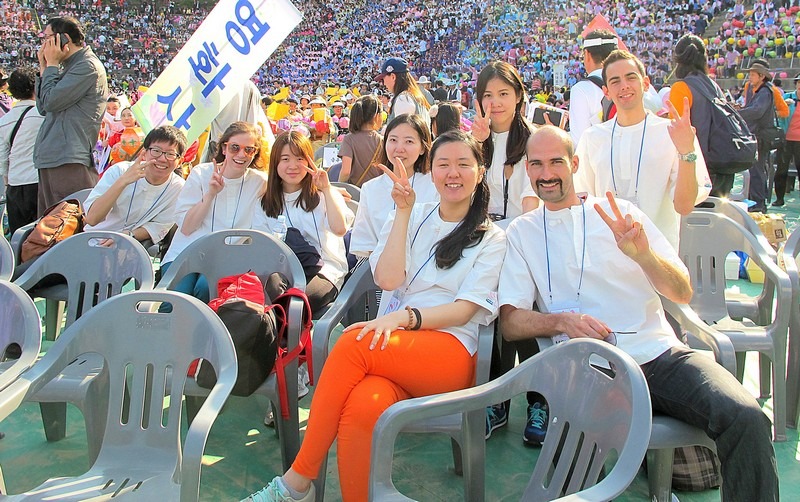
275	491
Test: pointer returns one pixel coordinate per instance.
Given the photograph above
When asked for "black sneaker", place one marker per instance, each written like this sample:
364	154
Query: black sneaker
536	428
496	417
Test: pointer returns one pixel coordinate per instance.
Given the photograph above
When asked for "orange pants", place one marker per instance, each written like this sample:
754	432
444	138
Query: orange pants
358	384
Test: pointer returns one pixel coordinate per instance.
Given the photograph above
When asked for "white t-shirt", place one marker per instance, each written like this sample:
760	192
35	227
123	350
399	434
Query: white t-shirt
405	104
585	106
140	204
657	175
375	205
614	288
315	228
473	278
231	209
519	185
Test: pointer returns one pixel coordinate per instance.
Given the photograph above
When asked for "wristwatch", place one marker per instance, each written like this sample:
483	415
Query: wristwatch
688	157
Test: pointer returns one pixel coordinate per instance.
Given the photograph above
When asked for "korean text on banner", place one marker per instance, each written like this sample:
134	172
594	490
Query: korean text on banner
228	47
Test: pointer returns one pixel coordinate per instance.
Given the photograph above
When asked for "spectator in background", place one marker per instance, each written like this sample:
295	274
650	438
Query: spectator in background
71	95
18	130
360	144
445	117
425	86
408	97
5	99
440	93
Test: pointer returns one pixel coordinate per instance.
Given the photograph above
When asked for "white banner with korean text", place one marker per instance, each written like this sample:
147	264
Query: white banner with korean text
228	47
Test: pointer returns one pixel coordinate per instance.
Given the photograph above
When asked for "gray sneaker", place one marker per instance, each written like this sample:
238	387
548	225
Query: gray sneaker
275	491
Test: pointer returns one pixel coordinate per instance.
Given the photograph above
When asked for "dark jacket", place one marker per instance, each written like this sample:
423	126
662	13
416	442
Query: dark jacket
759	110
72	101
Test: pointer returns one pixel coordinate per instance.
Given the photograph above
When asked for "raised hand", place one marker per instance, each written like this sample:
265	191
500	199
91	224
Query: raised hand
136	171
628	233
481	122
402	192
318	175
680	128
217	181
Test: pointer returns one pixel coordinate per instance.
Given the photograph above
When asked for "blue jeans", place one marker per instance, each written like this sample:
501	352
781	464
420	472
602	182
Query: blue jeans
192	284
693	388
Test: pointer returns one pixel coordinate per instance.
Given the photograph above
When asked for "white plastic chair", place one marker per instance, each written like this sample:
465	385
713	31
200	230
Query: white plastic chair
92	273
6	260
789	255
706	240
356	302
20	332
612	414
230	252
146	356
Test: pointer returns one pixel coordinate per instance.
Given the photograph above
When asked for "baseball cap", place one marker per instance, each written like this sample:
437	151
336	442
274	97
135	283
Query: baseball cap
392	65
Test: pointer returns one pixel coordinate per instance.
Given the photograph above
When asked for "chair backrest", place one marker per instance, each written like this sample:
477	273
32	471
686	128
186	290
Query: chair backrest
594	412
706	240
740	215
146	357
353	190
230	252
6	260
20	332
96	265
745	191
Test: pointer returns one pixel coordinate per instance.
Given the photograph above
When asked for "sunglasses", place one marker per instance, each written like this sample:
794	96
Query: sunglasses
248	150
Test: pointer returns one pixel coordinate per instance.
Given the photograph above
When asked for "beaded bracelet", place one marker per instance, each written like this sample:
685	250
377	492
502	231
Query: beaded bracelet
410	317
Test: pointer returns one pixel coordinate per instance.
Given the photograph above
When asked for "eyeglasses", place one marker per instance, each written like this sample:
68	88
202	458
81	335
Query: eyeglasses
157	153
248	150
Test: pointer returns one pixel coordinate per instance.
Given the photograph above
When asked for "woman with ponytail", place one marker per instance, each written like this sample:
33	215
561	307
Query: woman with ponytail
500	126
438	263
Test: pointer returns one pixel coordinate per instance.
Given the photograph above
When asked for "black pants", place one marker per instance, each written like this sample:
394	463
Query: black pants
790	149
21	203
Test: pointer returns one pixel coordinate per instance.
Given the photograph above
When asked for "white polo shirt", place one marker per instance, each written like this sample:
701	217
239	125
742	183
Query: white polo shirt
657	172
231	209
614	289
140	204
585	106
315	228
473	278
375	205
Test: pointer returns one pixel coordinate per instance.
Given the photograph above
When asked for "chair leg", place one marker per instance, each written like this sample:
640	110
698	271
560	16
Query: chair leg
793	377
458	465
54	418
289	434
473	449
659	474
740	359
53	317
779	397
764	374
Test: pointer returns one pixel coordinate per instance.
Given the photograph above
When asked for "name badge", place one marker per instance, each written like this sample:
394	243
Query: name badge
394	301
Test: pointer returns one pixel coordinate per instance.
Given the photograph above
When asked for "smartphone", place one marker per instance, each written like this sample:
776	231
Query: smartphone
63	39
555	115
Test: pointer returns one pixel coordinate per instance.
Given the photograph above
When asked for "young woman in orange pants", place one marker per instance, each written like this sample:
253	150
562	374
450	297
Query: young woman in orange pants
438	264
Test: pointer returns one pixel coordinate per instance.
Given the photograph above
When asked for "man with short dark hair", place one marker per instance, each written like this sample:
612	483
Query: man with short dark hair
18	130
138	198
585	105
440	93
71	95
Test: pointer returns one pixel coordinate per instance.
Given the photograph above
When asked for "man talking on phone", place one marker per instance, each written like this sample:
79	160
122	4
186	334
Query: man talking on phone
71	95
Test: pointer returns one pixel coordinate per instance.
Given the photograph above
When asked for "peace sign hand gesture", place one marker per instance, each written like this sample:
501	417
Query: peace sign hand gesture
318	175
481	123
680	128
402	191
628	233
217	182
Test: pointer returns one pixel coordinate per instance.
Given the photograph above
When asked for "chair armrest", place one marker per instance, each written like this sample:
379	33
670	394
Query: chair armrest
359	283
783	290
18	238
708	336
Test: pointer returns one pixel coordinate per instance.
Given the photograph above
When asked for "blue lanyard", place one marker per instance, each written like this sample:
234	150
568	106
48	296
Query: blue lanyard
547	255
235	211
130	205
288	217
638	167
412	246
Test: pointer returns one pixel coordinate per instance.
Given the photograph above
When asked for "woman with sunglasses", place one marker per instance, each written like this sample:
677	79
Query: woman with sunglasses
219	195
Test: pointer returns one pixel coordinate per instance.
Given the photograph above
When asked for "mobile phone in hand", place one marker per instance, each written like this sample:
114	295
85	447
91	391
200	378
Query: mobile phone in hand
63	39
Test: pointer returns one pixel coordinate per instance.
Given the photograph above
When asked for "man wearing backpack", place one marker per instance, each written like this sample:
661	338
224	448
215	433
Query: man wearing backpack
585	105
759	112
654	162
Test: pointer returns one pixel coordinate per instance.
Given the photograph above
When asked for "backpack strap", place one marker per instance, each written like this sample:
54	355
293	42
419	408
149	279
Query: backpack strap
596	80
16	127
285	355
